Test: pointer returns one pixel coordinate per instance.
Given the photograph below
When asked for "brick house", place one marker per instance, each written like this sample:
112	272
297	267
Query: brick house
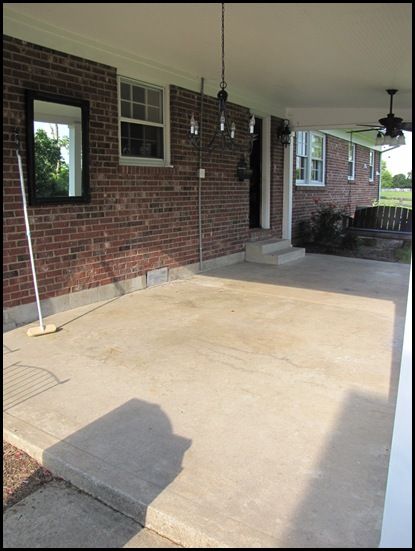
142	216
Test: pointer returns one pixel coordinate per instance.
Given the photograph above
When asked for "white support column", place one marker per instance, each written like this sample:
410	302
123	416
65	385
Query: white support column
75	153
397	514
288	189
266	174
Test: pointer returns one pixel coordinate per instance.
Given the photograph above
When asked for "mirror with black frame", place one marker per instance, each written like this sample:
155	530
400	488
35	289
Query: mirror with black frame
57	148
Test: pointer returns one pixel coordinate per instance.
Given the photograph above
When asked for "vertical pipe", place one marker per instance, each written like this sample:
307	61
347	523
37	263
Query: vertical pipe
202	85
380	175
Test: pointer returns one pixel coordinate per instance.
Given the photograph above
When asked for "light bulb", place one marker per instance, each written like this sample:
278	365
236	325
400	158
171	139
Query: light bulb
192	125
379	139
233	129
196	128
401	139
222	121
251	124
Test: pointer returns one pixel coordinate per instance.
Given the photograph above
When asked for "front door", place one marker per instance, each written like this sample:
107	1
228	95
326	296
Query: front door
255	181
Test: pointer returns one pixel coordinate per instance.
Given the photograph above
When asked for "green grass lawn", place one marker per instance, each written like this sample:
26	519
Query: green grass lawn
396	198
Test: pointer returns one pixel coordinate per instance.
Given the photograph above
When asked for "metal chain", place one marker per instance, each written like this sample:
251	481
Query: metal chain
223	84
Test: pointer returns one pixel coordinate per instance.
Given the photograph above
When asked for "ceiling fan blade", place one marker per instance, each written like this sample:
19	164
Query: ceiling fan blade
366	129
407	126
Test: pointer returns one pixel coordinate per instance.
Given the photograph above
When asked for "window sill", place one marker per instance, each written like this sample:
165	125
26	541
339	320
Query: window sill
311	184
145	162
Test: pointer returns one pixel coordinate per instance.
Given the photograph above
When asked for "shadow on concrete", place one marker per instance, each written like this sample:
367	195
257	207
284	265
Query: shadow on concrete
125	458
326	273
23	382
87	312
28	485
343	506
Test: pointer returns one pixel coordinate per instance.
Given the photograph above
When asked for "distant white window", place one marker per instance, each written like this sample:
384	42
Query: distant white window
371	165
310	158
351	161
142	123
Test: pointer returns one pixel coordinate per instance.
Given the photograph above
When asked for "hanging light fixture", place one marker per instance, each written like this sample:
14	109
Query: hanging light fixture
284	133
225	132
390	137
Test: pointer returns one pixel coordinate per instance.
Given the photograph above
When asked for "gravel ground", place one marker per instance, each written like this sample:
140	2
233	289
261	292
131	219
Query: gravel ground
22	475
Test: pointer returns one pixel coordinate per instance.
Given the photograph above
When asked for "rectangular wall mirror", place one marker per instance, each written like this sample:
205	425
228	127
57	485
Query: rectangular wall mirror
57	148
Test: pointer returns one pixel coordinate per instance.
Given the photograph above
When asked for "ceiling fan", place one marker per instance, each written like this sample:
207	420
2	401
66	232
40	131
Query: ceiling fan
390	131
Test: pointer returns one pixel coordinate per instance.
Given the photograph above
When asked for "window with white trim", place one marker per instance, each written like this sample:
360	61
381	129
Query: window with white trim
310	158
142	125
371	165
351	161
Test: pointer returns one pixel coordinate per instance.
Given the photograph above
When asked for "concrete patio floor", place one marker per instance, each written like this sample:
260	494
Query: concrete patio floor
248	406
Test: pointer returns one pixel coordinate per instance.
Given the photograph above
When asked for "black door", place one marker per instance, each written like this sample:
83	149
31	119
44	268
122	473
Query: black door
255	181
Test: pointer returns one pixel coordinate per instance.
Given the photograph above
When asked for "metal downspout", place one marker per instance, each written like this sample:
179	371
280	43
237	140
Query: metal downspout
202	83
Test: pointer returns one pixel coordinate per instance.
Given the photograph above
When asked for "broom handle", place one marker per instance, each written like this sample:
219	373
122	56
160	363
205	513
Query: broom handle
29	240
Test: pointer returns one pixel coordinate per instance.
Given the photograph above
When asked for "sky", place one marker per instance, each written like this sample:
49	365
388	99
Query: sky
399	160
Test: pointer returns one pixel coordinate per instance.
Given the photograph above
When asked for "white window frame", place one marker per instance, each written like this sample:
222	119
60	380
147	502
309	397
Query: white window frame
145	161
371	165
353	161
307	182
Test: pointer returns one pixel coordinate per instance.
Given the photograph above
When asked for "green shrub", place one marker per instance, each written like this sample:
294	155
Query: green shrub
304	231
404	254
327	224
350	241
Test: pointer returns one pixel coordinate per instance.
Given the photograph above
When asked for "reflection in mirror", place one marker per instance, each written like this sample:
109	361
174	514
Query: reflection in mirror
57	149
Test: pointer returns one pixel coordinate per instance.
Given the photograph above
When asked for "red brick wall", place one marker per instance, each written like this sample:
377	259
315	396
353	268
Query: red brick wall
337	189
139	218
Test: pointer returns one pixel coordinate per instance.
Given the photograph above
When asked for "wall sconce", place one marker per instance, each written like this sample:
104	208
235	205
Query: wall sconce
284	133
243	172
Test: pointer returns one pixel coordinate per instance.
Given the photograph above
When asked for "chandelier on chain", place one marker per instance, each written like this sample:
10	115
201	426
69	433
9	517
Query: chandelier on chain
224	135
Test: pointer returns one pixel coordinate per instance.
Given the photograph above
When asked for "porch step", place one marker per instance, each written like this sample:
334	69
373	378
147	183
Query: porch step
272	251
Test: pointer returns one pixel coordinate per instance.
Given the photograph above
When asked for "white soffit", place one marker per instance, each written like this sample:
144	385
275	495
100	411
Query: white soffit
326	57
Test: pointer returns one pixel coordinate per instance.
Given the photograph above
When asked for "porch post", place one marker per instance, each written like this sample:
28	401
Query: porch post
397	514
288	189
266	174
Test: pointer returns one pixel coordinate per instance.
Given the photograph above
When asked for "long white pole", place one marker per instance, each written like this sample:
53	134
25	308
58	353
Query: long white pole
29	240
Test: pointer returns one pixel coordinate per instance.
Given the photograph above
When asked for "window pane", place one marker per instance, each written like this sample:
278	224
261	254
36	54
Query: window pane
125	91
139	140
317	170
154	97
139	111
316	146
139	94
300	168
301	143
125	109
154	114
350	173
351	152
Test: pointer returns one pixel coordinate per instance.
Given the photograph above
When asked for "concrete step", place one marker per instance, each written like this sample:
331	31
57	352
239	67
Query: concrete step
267	245
286	255
272	251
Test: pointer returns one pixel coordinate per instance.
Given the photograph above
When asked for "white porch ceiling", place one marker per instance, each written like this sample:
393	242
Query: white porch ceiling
315	61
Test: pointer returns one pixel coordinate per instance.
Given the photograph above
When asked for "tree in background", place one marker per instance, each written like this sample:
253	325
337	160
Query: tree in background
401	181
409	179
51	170
386	176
